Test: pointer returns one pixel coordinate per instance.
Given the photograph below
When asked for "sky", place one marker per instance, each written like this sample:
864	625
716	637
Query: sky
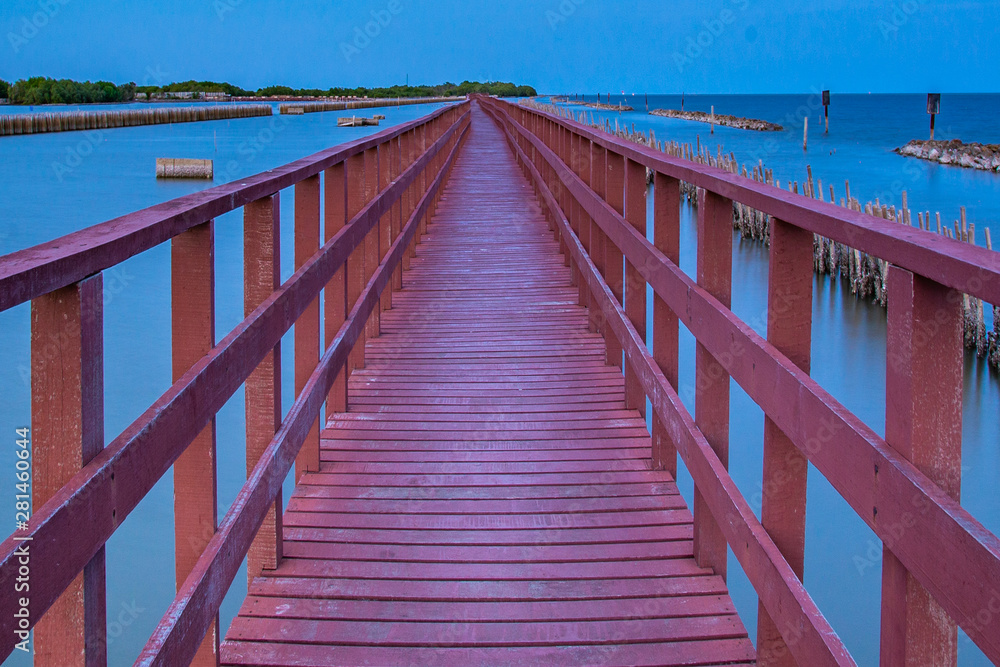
558	46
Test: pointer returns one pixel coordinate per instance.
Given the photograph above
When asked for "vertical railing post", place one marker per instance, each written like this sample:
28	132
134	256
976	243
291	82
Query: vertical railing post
356	262
613	258
667	238
715	269
924	424
385	178
406	201
598	179
261	277
192	299
783	495
572	208
335	293
398	164
634	290
372	260
586	225
67	428
307	352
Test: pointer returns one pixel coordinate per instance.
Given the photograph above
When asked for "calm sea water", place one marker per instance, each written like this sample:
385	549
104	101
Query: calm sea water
57	183
843	556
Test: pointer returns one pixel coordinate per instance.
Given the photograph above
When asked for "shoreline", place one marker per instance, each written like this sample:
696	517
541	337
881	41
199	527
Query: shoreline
725	120
983	157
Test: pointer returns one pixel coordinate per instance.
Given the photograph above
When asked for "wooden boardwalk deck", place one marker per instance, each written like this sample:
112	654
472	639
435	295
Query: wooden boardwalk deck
488	498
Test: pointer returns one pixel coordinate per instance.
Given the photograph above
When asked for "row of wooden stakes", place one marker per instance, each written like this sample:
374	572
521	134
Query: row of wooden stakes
317	107
68	121
865	273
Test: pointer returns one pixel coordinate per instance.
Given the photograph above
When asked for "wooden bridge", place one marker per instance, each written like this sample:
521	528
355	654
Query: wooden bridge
475	482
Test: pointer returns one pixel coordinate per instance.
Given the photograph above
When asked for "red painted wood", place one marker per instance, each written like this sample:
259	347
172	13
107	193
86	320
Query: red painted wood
307	348
33	272
67	432
962	266
204	591
783	489
372	259
261	277
614	262
124	472
924	424
335	293
715	270
666	347
598	176
635	285
356	264
407	526
777	584
196	514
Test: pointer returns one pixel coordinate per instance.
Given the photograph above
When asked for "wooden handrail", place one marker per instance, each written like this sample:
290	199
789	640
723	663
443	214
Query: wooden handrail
817	642
964	267
92	505
941	544
190	615
28	273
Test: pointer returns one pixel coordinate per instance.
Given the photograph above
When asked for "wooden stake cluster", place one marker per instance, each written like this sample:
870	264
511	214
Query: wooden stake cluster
317	107
865	273
36	123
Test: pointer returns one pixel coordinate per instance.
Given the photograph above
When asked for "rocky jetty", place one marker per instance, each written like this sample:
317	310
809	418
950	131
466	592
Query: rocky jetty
955	152
720	119
593	105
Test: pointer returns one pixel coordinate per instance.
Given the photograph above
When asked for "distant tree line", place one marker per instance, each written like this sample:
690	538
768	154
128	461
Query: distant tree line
197	87
444	90
42	90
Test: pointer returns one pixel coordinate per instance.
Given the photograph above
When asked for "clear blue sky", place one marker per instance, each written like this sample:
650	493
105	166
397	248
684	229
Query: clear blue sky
704	46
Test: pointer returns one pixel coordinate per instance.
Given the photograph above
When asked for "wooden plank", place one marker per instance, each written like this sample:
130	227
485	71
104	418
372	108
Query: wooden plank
203	593
553	513
124	472
815	642
943	532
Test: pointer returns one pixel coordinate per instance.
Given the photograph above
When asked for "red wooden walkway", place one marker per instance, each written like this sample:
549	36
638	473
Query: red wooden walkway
488	499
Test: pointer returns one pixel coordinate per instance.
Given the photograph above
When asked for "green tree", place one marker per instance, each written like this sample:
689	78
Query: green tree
4	89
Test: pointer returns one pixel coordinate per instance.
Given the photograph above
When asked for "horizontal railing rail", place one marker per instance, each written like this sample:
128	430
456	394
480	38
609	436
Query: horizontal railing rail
191	614
378	193
41	269
905	487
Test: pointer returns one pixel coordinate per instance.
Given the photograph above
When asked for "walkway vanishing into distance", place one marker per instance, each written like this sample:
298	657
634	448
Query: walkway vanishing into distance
475	481
488	499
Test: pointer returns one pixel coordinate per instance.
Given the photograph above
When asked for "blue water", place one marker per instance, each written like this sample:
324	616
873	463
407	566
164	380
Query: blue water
843	556
57	183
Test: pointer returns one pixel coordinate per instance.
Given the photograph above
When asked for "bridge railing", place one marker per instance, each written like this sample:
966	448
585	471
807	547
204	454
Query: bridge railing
376	194
941	567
